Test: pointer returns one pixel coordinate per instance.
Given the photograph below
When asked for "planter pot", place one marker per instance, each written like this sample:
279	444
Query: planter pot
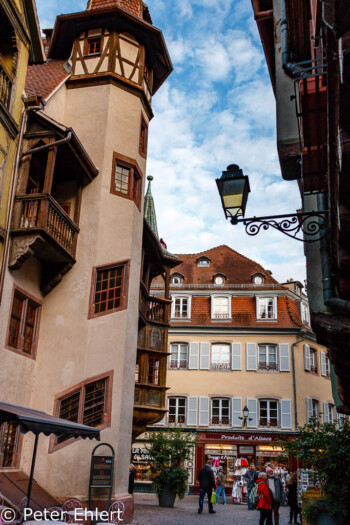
325	519
166	498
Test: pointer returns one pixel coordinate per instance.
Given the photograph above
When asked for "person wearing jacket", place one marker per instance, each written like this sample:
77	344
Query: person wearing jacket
206	486
275	485
220	489
265	500
293	498
250	477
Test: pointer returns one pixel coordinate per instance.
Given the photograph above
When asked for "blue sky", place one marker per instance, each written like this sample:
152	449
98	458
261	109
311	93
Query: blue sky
215	109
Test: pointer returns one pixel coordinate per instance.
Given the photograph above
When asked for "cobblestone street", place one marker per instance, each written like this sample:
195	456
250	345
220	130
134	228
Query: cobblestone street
147	512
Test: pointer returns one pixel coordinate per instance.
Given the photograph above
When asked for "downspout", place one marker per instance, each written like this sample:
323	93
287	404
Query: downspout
294	381
329	296
287	65
13	190
50	145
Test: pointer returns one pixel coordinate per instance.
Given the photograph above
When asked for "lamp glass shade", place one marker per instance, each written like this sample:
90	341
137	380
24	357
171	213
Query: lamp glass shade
234	194
245	412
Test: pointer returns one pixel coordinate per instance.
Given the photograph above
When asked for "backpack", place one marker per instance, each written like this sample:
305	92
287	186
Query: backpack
254	496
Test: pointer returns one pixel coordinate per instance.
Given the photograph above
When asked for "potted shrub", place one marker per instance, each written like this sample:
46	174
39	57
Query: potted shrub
325	449
169	450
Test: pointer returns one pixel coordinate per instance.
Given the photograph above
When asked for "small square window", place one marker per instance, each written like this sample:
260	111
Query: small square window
93	46
126	180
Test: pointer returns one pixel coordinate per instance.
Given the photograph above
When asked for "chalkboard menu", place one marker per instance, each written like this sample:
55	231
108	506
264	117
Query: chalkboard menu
101	471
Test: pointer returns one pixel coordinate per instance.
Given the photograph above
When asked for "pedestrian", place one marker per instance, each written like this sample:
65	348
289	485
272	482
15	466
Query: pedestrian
220	489
132	474
275	485
265	500
206	486
293	498
250	477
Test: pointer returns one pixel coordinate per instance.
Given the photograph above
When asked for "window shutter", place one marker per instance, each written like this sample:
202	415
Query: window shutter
252	405
309	408
193	360
284	357
325	413
237	412
286	413
307	364
205	356
323	364
192	403
204	411
251	356
237	356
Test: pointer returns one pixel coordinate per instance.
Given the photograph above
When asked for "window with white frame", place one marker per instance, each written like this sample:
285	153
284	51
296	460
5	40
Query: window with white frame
176	279
220	307
179	355
219	279
313	361
181	308
268	357
177	410
220	357
220	411
258	278
330	418
268	413
328	367
305	314
266	308
315	410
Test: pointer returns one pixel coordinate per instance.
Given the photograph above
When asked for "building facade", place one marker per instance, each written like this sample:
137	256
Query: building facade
306	44
244	366
71	302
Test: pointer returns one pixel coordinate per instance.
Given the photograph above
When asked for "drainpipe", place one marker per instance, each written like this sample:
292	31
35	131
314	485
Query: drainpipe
287	65
329	296
40	105
302	331
50	145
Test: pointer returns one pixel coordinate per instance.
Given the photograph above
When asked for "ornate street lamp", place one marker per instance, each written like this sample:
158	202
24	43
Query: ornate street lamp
234	187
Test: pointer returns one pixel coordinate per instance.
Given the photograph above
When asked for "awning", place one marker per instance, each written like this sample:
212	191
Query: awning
38	422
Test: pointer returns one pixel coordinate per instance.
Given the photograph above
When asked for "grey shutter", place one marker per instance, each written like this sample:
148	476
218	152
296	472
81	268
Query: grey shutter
307	364
237	412
193	361
286	413
205	356
236	356
309	408
192	403
323	364
251	356
325	413
204	411
252	405
284	357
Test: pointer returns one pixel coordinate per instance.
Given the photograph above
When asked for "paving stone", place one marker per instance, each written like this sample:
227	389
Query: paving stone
147	512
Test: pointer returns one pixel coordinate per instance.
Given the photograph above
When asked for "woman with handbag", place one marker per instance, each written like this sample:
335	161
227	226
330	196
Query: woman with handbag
265	500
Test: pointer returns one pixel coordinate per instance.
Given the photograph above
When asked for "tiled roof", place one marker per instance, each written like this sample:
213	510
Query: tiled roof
133	6
244	314
43	79
237	268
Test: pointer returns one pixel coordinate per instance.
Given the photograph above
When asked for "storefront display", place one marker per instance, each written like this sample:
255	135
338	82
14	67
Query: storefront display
222	456
272	455
142	462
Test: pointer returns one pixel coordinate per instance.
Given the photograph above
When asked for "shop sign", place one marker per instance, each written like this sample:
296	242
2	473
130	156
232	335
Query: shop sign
251	437
140	454
246	450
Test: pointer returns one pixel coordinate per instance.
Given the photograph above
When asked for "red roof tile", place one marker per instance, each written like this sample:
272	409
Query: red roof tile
43	79
243	310
133	6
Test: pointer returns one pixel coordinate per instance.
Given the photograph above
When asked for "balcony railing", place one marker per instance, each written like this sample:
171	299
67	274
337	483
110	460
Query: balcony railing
221	366
223	421
42	212
265	423
154	309
5	86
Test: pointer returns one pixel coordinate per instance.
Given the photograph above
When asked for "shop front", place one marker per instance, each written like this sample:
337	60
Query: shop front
223	449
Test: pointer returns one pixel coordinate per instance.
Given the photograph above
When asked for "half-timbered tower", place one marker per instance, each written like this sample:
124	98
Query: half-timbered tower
69	330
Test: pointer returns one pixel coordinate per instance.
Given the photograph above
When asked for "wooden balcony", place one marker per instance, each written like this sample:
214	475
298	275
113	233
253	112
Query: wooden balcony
5	85
153	309
42	228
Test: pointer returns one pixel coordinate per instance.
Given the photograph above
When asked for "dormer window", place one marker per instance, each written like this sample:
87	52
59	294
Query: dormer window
219	279
203	261
257	278
266	308
176	279
220	307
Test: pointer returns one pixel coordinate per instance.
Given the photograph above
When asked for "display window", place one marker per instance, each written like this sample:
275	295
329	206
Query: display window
142	462
271	456
222	456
